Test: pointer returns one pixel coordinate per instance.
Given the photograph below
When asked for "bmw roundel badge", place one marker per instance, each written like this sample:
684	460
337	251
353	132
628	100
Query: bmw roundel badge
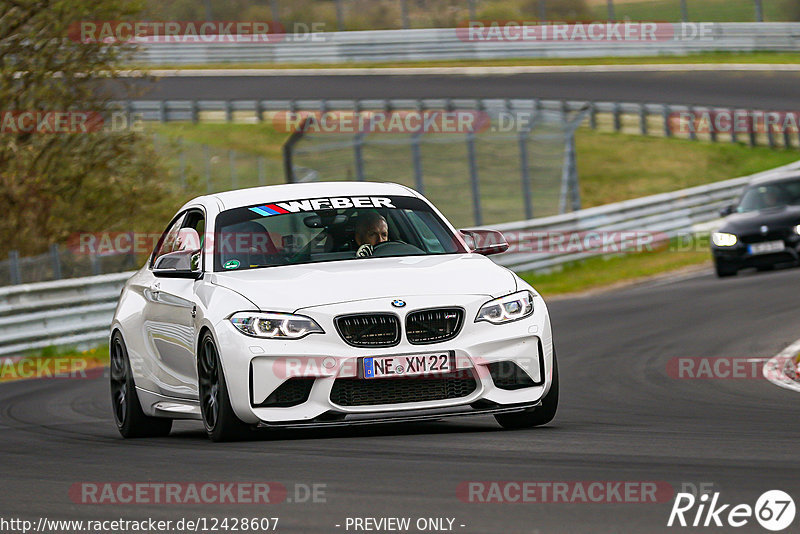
398	303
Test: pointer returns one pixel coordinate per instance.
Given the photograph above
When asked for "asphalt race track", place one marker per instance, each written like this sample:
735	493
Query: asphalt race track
770	90
622	418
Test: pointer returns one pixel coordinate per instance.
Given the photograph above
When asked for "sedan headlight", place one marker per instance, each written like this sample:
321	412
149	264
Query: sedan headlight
506	309
797	229
721	239
275	325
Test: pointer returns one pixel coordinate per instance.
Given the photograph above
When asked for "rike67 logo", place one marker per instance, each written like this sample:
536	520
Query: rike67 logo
774	510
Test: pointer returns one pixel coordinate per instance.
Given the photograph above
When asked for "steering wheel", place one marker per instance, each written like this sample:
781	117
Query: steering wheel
395	248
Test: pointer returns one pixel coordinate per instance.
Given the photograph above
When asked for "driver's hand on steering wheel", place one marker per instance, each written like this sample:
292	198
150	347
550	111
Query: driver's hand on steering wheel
364	251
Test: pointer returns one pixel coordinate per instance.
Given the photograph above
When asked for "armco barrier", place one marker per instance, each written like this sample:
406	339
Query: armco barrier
450	43
79	311
61	313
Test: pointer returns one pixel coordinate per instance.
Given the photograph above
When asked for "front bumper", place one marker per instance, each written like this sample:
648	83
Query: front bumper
740	257
255	368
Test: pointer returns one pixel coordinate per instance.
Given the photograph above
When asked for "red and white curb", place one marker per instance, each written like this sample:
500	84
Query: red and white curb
782	370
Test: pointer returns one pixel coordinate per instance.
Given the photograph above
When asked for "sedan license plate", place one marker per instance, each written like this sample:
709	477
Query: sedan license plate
407	365
765	247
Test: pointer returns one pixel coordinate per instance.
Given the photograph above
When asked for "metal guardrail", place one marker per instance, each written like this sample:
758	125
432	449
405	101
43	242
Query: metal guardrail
79	311
665	215
656	119
61	313
451	44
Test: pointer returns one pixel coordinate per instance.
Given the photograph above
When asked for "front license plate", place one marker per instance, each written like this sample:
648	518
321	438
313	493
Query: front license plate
407	365
766	247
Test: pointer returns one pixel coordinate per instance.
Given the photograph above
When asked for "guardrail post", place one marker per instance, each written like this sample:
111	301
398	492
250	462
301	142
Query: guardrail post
276	17
611	15
666	114
751	123
182	162
617	117
339	15
684	11
734	136
259	110
592	116
56	259
473	179
195	112
542	10
787	140
472	15
162	111
228	111
643	119
524	172
13	267
759	11
416	158
232	163
770	135
262	171
207	159
404	13
95	262
712	126
692	125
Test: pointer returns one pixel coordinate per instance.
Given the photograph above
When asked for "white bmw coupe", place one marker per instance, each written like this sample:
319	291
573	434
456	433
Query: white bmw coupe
324	304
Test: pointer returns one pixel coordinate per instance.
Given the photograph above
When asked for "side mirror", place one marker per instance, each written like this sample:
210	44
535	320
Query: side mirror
184	260
486	242
178	264
727	210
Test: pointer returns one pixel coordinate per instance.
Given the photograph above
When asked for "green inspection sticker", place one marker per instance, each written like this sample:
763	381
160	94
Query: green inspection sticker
231	264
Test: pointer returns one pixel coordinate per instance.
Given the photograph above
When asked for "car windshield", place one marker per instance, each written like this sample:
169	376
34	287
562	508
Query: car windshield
770	195
329	229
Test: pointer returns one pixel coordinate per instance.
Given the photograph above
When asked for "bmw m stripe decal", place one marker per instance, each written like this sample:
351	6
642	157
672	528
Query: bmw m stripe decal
269	209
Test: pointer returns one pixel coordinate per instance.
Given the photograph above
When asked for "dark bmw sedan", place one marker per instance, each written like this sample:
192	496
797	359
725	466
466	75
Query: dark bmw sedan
762	230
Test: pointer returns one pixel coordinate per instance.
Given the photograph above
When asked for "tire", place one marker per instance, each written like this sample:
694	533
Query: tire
128	415
219	418
724	269
541	415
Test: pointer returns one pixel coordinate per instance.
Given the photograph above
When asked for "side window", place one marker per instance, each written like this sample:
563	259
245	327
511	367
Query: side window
431	242
194	229
168	239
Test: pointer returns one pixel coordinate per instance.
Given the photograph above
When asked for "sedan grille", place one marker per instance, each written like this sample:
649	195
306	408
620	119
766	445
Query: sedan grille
376	391
369	330
433	326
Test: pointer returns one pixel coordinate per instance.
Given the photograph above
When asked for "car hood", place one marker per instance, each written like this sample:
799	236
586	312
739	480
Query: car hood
291	287
751	222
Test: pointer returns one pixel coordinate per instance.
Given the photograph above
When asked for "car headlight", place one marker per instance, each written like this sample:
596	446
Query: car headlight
797	229
721	239
506	309
275	325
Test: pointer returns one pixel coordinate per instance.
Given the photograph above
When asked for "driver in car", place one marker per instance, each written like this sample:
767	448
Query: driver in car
371	230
